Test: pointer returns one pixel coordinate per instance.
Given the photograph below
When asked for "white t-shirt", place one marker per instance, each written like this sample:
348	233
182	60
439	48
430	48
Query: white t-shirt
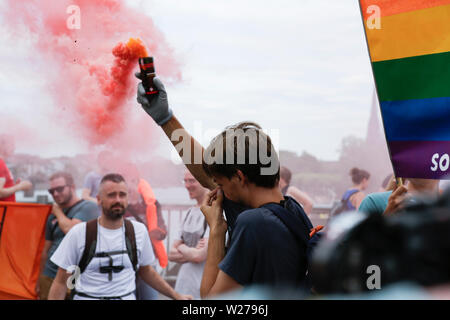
91	281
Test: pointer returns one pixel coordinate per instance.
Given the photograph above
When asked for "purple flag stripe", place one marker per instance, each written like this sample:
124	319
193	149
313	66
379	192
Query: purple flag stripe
421	159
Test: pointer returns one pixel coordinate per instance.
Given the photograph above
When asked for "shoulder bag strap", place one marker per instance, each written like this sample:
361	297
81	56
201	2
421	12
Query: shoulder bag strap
52	231
130	239
295	225
90	244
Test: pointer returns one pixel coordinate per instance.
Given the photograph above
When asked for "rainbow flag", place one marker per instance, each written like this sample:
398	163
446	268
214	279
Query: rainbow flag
409	49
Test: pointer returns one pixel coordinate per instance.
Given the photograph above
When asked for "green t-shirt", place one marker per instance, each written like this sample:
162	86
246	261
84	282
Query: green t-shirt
82	210
375	202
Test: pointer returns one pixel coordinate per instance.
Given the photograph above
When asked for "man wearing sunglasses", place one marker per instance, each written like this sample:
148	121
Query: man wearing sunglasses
68	210
110	273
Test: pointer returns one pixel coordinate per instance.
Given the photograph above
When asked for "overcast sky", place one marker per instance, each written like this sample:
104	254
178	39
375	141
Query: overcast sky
298	68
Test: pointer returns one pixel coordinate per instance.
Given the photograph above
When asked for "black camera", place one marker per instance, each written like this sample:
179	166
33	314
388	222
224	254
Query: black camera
412	246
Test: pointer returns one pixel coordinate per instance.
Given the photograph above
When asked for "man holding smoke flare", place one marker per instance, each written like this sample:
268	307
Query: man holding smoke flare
262	250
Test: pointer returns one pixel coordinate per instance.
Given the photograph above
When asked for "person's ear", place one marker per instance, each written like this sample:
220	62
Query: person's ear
242	179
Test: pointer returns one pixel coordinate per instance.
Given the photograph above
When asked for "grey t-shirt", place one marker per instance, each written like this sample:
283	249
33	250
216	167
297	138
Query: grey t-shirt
192	230
82	210
92	182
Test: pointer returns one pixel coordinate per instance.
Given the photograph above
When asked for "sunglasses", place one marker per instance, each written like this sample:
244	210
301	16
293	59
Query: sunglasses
56	189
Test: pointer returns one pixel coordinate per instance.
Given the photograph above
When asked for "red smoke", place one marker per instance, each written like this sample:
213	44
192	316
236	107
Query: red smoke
116	86
90	71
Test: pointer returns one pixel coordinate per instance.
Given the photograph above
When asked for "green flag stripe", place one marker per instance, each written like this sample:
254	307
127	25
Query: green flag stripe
418	77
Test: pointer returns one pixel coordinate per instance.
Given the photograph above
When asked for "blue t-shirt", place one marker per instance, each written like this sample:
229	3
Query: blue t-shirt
375	202
82	210
263	250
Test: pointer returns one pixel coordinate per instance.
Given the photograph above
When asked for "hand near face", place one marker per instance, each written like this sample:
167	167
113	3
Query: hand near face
212	210
56	209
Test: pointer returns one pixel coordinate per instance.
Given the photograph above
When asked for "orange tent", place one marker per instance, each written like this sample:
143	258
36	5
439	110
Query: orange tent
22	236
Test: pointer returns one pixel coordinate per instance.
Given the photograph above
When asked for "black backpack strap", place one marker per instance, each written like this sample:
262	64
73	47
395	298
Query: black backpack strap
346	199
130	240
292	221
90	245
350	194
205	226
81	203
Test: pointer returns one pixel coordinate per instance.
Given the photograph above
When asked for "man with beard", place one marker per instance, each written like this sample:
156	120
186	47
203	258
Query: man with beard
68	210
109	273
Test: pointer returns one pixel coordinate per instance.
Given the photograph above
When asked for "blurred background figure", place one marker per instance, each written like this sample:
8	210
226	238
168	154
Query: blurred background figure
8	187
104	165
288	190
143	207
68	210
363	252
355	195
191	242
412	191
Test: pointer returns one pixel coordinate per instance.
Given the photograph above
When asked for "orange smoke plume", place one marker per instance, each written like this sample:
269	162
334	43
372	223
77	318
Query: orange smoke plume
137	48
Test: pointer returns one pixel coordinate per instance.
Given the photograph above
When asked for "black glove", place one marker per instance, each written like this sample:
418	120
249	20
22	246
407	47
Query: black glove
156	105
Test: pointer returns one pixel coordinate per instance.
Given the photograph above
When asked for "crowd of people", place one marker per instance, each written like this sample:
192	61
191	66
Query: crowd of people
249	226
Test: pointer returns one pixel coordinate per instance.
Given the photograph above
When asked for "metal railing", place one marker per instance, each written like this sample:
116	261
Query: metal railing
173	216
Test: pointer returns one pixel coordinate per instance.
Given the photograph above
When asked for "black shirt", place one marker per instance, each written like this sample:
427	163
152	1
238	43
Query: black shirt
262	249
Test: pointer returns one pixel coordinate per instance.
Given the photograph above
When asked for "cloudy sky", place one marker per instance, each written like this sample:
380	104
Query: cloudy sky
298	68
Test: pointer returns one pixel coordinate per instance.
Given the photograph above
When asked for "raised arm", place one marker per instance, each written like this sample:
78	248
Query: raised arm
196	169
157	106
21	186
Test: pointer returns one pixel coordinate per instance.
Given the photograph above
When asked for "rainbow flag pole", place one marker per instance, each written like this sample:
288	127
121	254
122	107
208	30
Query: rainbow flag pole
409	48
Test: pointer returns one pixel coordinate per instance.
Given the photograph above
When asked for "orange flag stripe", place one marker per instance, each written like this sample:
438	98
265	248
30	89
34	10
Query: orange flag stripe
411	34
392	7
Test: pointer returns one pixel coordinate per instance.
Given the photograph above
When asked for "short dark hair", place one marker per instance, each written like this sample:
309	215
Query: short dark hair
243	152
285	174
113	177
62	174
358	175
